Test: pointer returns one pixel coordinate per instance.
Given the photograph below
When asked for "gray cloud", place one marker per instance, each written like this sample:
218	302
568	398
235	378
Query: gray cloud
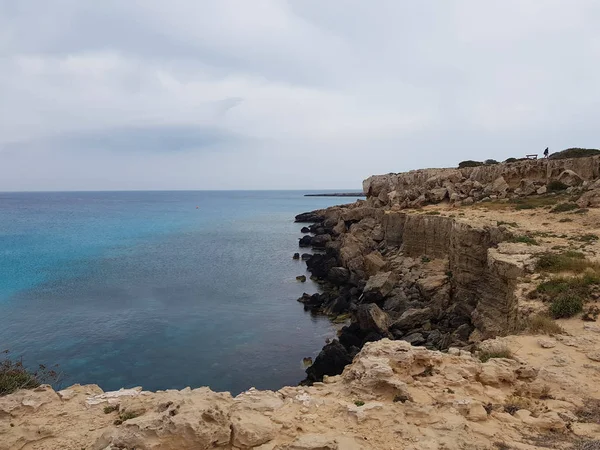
153	94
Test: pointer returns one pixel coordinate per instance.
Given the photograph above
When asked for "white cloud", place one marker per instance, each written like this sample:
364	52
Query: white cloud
344	88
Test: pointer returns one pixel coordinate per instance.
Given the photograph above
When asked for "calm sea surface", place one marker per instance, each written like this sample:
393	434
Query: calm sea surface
129	289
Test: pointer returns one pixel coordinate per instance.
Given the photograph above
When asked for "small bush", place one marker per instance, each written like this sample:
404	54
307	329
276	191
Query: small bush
469	163
425	259
14	376
590	411
564	207
542	324
587	238
126	415
489	162
556	185
524	239
575	152
515	403
565	306
110	408
359	403
500	353
511	160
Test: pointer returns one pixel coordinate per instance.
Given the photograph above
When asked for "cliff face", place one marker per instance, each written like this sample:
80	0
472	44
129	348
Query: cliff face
420	187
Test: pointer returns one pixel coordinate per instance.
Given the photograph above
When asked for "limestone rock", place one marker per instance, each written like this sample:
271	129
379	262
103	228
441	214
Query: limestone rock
570	178
370	317
374	263
251	429
590	199
412	318
382	283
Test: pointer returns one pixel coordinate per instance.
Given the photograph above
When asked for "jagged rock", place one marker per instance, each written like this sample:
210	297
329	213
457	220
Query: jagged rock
542	190
306	256
382	283
296	256
320	241
468	201
412	318
305	230
301	278
338	275
415	339
374	263
251	428
370	317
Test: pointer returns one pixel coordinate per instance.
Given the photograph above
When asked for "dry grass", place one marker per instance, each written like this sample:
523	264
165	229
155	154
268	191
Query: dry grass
589	412
543	324
515	403
569	261
498	353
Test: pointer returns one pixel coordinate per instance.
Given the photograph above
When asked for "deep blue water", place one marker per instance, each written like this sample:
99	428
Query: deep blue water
129	289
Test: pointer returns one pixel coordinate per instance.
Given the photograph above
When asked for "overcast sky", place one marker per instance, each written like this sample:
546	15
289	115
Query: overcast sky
268	94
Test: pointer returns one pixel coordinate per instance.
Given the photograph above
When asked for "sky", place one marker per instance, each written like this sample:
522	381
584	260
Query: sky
298	94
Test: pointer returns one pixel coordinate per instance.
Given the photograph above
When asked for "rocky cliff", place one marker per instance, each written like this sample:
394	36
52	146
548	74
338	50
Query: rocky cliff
521	178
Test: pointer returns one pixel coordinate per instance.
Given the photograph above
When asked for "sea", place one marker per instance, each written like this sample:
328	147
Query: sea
162	290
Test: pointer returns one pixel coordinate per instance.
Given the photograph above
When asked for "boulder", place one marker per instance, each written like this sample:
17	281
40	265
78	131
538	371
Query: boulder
301	278
251	428
415	339
310	217
383	283
370	318
374	263
468	201
590	199
305	230
412	318
296	256
437	195
330	361
570	178
320	241
338	275
305	241
306	256
542	190
498	187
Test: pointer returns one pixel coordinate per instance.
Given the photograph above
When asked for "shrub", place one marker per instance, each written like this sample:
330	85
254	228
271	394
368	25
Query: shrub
14	376
586	238
469	163
359	403
126	415
432	213
575	152
511	160
566	305
590	411
515	403
489	162
524	239
563	207
498	353
110	408
556	185
543	324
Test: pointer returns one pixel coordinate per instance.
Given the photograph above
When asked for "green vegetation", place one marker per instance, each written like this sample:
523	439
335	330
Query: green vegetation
524	239
111	408
556	185
511	160
569	260
587	238
126	415
575	152
432	213
489	162
543	324
564	207
14	376
590	411
425	259
469	163
499	353
566	305
359	403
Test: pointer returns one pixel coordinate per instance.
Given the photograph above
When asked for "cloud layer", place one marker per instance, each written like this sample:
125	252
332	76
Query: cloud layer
147	94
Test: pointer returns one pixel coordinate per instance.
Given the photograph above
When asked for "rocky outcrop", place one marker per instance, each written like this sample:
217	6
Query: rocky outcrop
392	395
425	186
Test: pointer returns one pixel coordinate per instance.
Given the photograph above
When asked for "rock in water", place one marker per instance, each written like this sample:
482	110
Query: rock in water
305	230
301	278
331	361
296	256
305	241
309	217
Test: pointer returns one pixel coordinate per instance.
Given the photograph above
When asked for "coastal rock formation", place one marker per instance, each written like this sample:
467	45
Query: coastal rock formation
392	396
521	178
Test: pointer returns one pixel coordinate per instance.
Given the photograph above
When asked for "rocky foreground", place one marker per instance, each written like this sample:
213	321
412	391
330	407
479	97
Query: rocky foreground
445	283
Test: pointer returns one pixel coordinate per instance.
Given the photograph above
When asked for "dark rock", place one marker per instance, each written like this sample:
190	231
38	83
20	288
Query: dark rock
412	318
320	264
434	339
314	300
338	275
320	241
370	318
415	339
301	278
372	297
305	230
372	336
336	306
309	217
305	241
306	256
331	361
296	256
462	333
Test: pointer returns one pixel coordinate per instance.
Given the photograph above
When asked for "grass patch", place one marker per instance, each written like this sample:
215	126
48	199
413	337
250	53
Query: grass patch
110	408
359	403
126	415
564	207
575	152
589	412
543	324
586	238
433	213
566	305
569	261
425	259
499	353
14	375
524	240
515	403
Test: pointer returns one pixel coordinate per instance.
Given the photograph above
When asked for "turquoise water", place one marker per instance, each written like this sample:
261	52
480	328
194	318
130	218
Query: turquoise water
129	289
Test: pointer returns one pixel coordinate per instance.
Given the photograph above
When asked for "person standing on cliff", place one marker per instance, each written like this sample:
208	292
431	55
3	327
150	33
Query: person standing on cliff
546	153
